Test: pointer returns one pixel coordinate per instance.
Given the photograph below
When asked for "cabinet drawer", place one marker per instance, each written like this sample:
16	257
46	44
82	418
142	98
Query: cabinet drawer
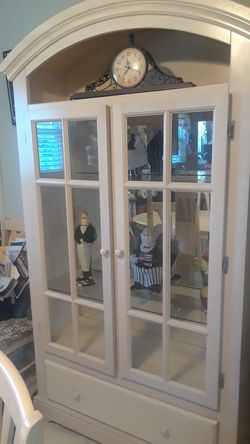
138	415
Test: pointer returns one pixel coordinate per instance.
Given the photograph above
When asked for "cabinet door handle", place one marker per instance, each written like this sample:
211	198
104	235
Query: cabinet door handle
104	252
119	253
76	396
165	432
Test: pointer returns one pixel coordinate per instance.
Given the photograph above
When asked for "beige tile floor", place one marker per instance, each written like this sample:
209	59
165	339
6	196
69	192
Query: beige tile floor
56	434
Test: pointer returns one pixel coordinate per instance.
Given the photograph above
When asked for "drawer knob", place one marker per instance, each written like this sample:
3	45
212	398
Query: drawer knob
104	252
119	253
165	432
76	396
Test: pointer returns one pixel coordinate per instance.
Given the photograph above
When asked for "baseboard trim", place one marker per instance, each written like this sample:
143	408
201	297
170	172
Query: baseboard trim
84	425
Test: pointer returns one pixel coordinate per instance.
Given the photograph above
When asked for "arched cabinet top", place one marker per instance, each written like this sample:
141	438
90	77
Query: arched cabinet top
95	17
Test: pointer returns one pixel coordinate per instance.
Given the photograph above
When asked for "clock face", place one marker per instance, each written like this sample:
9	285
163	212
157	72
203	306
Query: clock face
129	67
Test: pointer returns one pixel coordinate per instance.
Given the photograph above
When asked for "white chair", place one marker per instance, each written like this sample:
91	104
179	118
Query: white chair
18	409
187	224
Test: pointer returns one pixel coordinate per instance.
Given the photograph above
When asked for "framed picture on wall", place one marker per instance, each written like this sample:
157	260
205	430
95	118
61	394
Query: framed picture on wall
10	95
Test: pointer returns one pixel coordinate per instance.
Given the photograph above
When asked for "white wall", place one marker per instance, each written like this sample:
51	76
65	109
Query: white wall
17	19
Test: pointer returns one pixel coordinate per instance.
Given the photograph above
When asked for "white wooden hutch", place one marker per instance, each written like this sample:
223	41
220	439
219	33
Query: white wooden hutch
119	362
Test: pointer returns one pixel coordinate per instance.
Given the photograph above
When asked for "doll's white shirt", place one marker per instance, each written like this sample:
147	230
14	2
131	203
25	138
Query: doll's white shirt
83	228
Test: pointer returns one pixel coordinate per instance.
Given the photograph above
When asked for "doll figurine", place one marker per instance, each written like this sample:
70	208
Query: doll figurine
146	260
85	235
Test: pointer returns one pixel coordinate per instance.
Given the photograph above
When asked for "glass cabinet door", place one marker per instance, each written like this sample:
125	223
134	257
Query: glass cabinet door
168	172
169	237
71	150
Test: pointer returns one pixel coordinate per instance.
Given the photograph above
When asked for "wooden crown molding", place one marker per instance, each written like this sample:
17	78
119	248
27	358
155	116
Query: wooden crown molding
94	17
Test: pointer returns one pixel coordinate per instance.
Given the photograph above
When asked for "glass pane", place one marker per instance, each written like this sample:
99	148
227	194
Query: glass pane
50	149
55	238
145	147
83	148
60	317
145	244
187	358
192	146
146	353
91	332
87	235
190	244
